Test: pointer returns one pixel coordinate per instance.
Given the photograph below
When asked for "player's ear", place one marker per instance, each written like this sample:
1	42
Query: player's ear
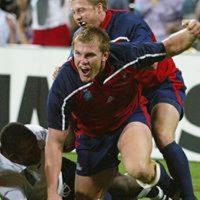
105	56
99	7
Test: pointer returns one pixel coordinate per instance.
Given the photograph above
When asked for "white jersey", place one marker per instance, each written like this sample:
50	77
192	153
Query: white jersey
24	181
12	193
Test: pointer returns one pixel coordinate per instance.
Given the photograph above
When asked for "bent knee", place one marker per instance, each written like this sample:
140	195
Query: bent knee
142	171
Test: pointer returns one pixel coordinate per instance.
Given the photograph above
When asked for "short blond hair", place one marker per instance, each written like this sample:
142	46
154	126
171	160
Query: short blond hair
96	2
89	33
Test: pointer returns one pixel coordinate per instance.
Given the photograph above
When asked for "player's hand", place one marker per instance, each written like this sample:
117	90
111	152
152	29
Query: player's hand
54	197
193	26
56	71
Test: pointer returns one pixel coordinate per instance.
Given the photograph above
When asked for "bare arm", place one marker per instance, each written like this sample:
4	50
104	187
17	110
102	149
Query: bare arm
53	161
182	40
24	10
11	21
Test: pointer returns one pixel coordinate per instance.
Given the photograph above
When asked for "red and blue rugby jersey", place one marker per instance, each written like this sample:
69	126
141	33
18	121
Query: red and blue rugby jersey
125	26
103	104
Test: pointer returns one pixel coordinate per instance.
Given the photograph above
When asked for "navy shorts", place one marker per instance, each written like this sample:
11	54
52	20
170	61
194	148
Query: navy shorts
95	154
171	91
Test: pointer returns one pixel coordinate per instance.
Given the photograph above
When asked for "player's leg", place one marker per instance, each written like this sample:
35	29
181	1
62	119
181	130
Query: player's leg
135	145
93	187
126	187
166	106
97	161
68	180
135	148
165	118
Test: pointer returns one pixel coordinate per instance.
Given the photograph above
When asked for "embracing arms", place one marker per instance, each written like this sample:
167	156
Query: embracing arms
182	40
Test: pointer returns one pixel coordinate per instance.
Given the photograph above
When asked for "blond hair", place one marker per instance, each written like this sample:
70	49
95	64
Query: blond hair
89	33
96	2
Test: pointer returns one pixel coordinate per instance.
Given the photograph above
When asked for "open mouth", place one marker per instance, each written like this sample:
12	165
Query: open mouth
82	24
85	71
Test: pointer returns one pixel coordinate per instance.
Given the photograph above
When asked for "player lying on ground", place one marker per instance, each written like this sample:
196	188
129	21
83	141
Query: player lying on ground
22	164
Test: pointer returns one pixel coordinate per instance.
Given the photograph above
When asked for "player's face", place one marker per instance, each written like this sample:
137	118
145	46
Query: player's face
89	60
85	13
29	154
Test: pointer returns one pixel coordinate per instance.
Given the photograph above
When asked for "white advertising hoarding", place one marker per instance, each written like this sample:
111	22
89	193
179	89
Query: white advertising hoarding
26	76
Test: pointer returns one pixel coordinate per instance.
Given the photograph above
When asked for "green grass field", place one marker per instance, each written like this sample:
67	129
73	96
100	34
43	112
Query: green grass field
194	166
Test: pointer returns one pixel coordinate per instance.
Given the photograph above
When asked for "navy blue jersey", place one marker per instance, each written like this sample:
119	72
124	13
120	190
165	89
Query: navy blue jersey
103	104
158	85
125	26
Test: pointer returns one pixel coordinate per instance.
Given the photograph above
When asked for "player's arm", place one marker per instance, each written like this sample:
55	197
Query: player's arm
182	40
53	161
58	124
141	56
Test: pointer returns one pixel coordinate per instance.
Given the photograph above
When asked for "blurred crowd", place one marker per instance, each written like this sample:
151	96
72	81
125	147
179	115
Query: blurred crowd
50	22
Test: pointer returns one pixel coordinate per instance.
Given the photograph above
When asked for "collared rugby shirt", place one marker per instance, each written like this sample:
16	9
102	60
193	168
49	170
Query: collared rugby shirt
102	105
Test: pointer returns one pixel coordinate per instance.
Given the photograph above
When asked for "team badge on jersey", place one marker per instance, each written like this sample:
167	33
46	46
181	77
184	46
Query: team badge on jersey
87	95
110	99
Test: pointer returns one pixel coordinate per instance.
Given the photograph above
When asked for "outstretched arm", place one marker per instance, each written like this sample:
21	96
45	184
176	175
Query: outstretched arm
143	55
182	40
